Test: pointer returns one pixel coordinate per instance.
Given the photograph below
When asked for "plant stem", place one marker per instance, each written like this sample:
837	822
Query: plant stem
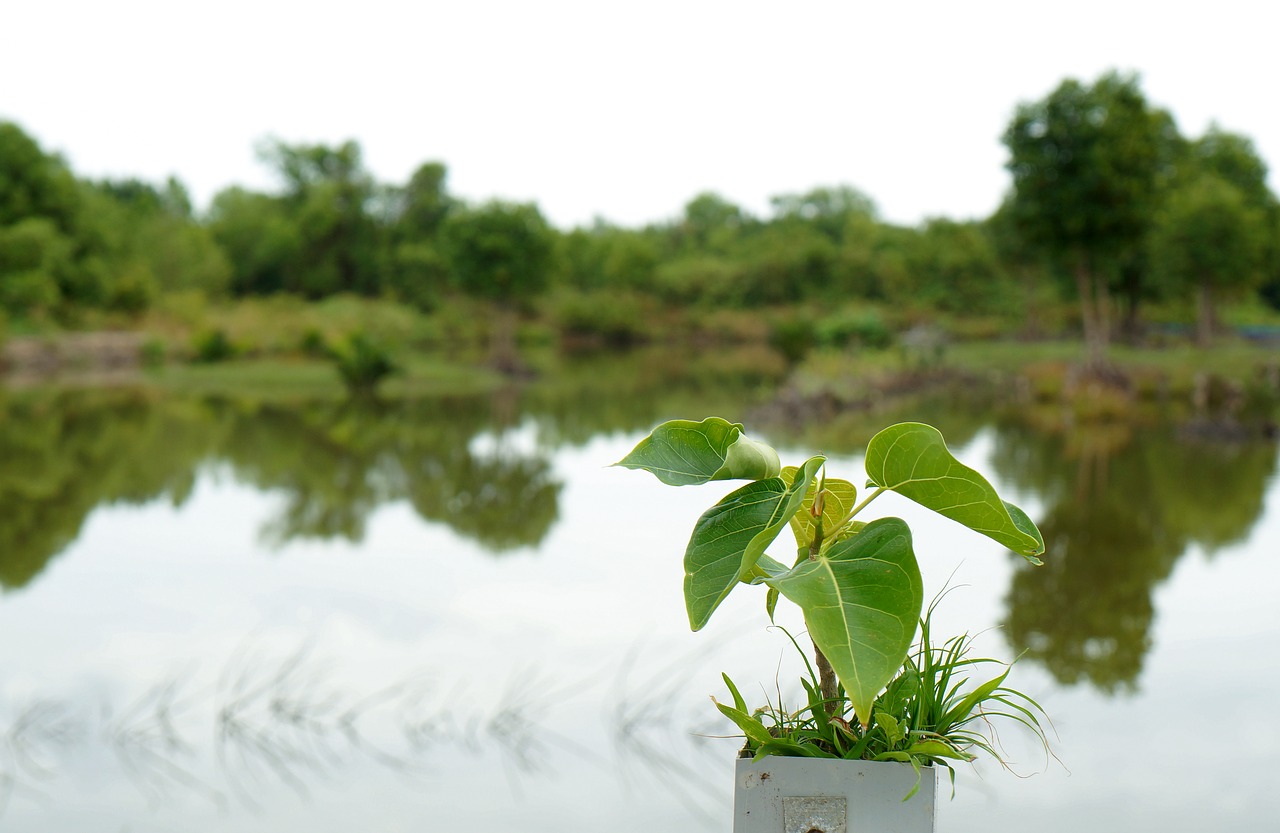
862	505
826	674
815	546
827	682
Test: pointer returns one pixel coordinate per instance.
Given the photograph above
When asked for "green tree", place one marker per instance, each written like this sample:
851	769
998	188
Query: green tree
259	238
1086	164
416	271
327	196
1234	159
422	204
783	263
1209	238
34	260
606	256
33	183
827	209
502	252
954	267
710	223
49	255
873	259
149	233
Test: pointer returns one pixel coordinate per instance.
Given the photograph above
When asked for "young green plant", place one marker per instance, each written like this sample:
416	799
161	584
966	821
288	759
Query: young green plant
857	583
936	710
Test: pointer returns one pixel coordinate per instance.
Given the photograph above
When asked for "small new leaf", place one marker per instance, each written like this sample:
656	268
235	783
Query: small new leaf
686	453
839	496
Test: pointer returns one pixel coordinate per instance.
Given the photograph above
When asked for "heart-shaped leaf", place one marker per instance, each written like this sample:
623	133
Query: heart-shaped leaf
686	453
730	537
861	601
838	499
912	459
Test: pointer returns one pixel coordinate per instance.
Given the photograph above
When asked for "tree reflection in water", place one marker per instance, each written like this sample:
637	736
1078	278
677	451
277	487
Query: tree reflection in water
1123	500
66	453
335	463
1123	504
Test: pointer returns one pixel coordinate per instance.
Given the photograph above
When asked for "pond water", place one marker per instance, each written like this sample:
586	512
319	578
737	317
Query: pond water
450	613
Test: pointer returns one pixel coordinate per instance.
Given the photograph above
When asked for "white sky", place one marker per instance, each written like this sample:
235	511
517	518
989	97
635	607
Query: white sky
619	109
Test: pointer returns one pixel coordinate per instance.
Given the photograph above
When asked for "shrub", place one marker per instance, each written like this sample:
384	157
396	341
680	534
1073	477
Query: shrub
862	329
363	363
313	343
703	279
793	338
213	346
133	290
619	319
152	353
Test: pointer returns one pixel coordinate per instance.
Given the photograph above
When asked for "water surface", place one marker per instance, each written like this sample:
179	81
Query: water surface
234	615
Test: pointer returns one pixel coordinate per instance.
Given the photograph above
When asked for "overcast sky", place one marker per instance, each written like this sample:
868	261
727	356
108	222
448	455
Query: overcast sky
623	109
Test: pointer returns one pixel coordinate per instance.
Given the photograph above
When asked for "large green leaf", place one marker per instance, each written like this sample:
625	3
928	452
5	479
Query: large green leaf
912	459
861	601
686	453
838	500
730	537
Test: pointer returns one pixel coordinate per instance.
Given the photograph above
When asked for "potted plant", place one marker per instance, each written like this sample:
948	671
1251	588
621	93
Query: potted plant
881	718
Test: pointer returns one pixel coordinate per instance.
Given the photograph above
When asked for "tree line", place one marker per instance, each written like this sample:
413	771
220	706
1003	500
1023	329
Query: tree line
1109	206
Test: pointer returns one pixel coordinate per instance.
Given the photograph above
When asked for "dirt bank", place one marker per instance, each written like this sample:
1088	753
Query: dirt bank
43	356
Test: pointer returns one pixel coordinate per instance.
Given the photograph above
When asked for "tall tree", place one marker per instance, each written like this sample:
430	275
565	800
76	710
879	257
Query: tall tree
154	242
52	245
259	238
33	183
1086	164
503	252
422	203
1234	159
416	269
327	192
1210	239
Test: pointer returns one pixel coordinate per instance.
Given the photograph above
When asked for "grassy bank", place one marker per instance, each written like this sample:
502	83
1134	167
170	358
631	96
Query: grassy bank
285	345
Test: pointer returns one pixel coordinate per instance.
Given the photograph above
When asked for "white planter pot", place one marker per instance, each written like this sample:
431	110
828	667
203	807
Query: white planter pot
815	795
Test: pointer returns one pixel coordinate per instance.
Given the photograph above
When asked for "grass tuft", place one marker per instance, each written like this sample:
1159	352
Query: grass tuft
941	707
